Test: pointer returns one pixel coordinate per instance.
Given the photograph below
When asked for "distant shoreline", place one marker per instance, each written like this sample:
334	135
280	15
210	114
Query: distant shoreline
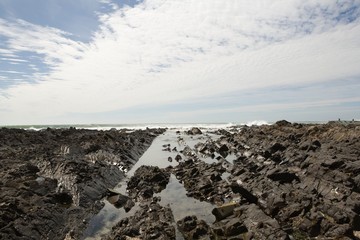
95	126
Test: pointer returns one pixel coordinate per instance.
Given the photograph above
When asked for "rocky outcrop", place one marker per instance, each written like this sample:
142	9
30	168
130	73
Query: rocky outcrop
193	228
292	181
280	181
151	221
194	131
146	181
52	180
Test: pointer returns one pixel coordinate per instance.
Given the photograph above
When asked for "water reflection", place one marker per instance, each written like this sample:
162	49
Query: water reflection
164	146
182	205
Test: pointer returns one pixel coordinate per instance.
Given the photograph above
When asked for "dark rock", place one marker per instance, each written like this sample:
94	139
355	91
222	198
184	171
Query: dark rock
302	177
333	163
194	131
276	158
118	200
192	228
356	181
152	221
178	158
129	205
277	147
201	180
283	123
148	180
234	227
261	225
236	188
223	148
267	154
52	180
200	147
282	176
316	143
63	198
310	146
188	223
224	211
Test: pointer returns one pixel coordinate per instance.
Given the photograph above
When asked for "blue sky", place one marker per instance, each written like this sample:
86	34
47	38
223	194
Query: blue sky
103	61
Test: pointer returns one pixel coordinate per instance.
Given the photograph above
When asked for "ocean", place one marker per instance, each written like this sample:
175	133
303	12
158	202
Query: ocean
179	126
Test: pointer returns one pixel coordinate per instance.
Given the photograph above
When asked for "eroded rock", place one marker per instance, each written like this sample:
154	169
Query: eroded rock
151	221
52	180
146	181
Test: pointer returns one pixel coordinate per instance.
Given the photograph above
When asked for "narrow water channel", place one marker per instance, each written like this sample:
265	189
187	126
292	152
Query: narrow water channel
174	194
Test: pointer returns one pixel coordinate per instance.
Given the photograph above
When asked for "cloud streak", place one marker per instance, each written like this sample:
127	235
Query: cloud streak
174	52
48	42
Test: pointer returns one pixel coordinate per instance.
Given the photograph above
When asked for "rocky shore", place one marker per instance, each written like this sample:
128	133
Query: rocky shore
53	180
280	181
288	181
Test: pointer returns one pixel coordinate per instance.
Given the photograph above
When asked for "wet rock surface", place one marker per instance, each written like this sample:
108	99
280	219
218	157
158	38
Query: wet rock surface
146	181
289	181
280	181
52	180
151	221
193	228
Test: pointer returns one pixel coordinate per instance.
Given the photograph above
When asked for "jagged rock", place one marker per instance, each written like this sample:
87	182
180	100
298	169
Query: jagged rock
224	211
178	158
310	145
194	131
223	148
202	181
192	228
148	180
118	200
277	147
282	176
234	227
236	188
302	180
356	181
201	147
151	221
333	163
289	181
52	180
261	225
282	123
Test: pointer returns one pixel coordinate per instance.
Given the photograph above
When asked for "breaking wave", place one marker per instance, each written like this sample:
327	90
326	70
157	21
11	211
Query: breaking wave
179	126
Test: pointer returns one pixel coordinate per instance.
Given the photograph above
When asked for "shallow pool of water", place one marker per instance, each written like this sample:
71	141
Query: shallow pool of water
174	195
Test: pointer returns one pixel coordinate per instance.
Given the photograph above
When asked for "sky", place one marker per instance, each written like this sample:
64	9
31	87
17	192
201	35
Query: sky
178	61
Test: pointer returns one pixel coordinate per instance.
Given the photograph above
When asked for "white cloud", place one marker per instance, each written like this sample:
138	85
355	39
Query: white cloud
169	51
51	43
7	53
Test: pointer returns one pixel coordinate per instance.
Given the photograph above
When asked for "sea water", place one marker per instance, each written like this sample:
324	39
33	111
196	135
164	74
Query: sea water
138	126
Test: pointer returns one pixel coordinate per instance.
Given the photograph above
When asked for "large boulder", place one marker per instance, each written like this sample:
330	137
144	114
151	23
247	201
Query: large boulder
194	131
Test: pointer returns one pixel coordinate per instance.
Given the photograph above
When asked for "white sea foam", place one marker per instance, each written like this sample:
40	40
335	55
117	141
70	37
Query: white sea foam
104	127
171	126
257	123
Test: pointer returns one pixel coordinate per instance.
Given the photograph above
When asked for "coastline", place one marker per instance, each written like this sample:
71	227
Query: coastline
181	126
282	180
53	180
